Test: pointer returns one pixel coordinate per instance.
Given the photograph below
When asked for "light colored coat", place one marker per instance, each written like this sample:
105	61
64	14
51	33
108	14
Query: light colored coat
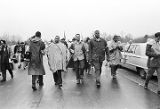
57	56
115	56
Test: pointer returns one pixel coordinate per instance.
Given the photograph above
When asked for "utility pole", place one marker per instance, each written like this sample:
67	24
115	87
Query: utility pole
64	35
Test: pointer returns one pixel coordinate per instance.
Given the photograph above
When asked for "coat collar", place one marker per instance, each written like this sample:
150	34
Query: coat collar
98	40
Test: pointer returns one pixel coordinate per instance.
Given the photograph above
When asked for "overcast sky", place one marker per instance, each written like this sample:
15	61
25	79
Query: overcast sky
53	17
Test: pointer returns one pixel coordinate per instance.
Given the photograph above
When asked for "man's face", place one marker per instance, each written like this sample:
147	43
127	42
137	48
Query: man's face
97	34
57	38
78	37
116	39
157	39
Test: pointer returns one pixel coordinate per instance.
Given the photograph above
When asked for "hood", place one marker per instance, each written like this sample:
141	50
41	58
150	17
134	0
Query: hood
35	39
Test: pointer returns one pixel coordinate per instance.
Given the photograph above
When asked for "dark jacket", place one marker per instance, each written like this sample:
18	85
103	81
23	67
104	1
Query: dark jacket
153	58
97	50
36	46
4	55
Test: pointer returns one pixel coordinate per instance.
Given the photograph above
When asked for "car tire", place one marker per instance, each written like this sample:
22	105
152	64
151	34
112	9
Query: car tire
142	73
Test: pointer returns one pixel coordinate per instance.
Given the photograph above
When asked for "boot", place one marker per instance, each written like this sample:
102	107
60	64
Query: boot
3	80
146	85
98	83
3	76
78	81
34	87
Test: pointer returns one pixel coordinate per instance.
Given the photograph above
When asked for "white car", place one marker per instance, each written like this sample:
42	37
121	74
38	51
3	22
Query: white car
134	58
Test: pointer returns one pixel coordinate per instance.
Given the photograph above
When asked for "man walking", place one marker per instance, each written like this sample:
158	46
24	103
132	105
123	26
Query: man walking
153	53
78	51
97	50
57	58
36	68
4	61
115	56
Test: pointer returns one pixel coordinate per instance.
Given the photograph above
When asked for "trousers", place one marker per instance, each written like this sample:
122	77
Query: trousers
57	77
150	73
37	77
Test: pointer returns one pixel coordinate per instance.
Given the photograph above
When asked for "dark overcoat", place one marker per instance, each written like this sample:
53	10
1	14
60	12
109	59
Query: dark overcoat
36	46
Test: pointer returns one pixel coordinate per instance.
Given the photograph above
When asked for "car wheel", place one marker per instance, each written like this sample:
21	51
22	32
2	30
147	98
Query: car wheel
142	73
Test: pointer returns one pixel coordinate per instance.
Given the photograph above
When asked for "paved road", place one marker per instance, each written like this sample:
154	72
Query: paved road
123	93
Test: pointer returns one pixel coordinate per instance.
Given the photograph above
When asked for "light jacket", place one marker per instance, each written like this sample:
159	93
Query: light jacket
57	56
153	53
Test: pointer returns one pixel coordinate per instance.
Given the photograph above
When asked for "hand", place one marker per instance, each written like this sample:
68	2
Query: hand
72	51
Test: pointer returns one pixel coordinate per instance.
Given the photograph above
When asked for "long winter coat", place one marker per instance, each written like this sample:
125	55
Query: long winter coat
4	57
36	46
57	57
115	55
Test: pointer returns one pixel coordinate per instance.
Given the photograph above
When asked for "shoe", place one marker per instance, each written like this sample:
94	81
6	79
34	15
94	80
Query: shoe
158	92
146	86
3	80
19	66
98	83
34	87
56	84
60	85
78	81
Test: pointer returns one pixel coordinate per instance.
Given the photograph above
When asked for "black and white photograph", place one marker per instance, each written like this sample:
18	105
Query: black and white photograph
79	54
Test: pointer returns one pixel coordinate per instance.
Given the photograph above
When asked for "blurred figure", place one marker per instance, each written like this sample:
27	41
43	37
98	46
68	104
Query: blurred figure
87	65
27	56
4	62
36	68
153	53
71	62
19	52
57	58
78	51
22	45
97	50
115	55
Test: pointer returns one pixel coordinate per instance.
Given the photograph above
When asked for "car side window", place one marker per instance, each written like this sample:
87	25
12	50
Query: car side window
137	50
132	49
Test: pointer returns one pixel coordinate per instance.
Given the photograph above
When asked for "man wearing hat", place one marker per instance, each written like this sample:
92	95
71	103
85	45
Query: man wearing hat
153	53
